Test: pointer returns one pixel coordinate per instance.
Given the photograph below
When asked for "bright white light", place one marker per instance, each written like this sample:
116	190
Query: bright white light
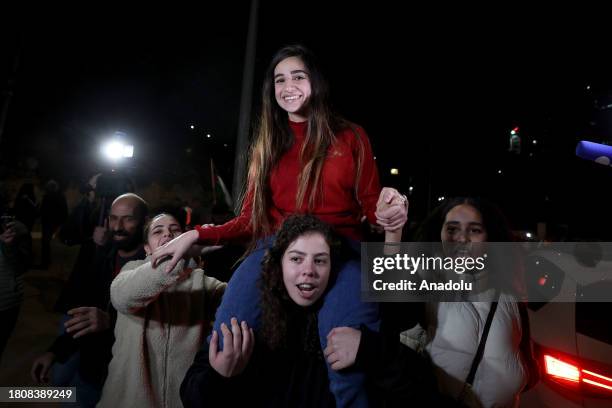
192	127
441	198
499	172
128	151
535	141
528	234
116	150
208	135
113	150
394	171
560	369
410	188
512	132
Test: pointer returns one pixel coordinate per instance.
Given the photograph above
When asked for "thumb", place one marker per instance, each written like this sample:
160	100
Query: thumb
388	197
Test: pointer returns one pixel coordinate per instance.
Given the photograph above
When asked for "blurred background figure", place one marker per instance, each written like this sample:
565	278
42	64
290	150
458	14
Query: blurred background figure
15	251
25	207
53	213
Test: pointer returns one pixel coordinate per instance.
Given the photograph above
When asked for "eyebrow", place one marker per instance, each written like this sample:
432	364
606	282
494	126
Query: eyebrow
304	253
160	226
469	223
297	71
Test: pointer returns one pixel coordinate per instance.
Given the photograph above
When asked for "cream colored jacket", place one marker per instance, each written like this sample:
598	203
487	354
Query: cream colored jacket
162	320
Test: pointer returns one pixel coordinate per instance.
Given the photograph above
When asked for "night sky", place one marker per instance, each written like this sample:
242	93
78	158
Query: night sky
437	92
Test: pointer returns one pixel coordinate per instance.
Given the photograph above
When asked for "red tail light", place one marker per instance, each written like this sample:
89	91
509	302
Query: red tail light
567	372
597	380
560	369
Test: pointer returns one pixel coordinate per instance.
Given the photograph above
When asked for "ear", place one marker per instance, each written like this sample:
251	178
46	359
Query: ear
147	249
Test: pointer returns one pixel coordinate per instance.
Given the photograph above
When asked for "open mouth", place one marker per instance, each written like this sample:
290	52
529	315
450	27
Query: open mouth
306	290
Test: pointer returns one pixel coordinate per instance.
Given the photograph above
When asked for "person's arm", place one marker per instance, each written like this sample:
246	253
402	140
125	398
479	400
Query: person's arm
63	347
139	284
202	385
212	299
526	348
16	246
41	368
235	230
368	184
370	195
392	213
362	348
216	377
388	203
367	349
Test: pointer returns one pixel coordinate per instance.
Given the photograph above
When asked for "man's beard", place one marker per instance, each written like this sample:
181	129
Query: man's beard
131	242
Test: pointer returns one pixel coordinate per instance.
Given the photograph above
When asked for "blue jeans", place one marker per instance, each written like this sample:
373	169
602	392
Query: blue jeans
342	306
64	374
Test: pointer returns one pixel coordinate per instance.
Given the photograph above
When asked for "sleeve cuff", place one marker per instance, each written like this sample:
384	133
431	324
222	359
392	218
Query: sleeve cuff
208	236
369	348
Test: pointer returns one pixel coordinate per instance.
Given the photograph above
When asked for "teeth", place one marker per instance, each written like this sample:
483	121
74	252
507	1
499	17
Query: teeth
305	286
291	98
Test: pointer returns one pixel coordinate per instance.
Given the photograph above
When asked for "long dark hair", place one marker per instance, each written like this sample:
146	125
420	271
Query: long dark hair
495	223
275	301
274	137
507	262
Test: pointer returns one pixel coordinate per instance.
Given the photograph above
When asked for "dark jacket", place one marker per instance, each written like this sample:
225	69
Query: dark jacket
397	376
53	211
295	376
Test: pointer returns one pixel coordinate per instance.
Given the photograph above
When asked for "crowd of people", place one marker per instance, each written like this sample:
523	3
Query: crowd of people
145	322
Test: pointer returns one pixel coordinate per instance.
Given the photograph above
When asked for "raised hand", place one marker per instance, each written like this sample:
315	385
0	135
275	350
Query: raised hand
238	346
391	209
175	250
